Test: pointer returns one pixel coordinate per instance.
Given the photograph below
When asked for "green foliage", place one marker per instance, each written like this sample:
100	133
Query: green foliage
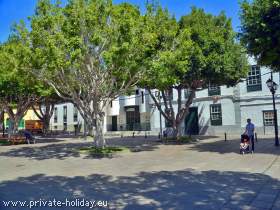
103	151
14	80
198	47
260	31
67	38
17	79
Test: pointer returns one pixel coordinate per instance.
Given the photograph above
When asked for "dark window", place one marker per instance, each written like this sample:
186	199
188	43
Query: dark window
75	114
111	104
55	115
55	127
142	96
137	92
254	80
65	114
65	126
216	114
268	118
214	90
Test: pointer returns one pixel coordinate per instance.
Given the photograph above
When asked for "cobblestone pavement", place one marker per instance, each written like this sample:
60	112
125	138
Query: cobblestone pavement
209	174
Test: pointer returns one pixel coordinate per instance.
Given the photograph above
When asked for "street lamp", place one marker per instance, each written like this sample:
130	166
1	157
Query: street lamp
272	86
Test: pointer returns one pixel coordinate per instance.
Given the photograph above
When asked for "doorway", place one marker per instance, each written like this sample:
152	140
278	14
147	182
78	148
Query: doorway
132	118
191	122
114	123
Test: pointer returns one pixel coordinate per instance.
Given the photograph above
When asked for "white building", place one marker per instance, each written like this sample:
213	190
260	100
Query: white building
215	110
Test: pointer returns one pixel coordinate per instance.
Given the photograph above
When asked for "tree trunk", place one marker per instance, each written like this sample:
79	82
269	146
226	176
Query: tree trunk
14	123
46	125
21	108
169	114
45	116
99	139
91	130
2	126
177	134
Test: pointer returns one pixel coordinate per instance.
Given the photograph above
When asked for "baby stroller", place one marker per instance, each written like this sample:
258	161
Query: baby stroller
245	144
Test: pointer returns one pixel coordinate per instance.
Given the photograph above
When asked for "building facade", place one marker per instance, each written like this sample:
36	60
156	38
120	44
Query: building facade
216	110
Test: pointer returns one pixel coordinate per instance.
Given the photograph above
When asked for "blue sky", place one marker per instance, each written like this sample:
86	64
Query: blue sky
12	11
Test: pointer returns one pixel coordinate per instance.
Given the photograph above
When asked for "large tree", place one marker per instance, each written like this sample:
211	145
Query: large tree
17	87
89	51
260	31
188	55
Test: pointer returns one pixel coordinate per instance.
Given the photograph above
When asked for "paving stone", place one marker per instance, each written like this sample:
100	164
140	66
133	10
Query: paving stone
261	204
266	198
277	202
206	175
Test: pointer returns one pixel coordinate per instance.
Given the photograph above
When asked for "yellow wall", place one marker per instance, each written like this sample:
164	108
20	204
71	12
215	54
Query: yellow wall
30	115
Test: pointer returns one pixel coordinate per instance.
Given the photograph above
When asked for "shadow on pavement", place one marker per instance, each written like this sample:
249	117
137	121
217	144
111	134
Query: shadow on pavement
68	149
265	146
186	189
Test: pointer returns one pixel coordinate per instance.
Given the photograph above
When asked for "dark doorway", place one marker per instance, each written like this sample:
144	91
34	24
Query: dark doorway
114	123
132	118
191	122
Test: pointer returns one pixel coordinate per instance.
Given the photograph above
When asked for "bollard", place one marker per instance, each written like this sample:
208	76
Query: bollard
145	135
225	136
133	134
159	135
256	137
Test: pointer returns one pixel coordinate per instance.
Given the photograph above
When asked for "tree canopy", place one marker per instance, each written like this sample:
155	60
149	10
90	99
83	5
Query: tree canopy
199	49
19	87
260	31
90	52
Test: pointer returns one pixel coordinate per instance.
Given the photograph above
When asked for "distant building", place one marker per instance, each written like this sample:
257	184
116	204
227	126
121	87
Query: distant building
30	115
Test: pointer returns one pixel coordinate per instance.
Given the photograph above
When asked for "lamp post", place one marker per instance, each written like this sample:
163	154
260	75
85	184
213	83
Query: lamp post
273	87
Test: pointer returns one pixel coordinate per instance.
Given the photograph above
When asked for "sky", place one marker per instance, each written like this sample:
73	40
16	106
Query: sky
12	11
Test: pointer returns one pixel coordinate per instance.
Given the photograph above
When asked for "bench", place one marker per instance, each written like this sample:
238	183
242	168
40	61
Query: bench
17	139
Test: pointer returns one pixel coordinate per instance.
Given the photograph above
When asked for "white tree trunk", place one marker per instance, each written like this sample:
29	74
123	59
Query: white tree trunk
99	139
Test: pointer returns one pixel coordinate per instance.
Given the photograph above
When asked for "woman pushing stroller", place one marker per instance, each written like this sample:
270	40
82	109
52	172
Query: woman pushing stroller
247	138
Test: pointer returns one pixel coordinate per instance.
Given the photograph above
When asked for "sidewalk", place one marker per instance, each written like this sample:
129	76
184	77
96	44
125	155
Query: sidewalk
210	174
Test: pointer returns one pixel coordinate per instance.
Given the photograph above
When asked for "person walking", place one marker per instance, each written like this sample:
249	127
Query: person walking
250	129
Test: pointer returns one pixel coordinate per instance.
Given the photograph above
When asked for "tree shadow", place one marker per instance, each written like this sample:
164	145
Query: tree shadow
42	152
47	140
65	150
185	189
38	141
265	146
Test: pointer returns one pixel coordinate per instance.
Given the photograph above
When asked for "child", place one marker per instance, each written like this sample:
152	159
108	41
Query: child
245	143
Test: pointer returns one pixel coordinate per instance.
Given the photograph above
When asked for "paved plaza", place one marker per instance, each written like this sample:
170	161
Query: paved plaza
208	174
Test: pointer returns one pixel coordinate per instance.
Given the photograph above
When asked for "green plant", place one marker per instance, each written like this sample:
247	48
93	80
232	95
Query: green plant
103	151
